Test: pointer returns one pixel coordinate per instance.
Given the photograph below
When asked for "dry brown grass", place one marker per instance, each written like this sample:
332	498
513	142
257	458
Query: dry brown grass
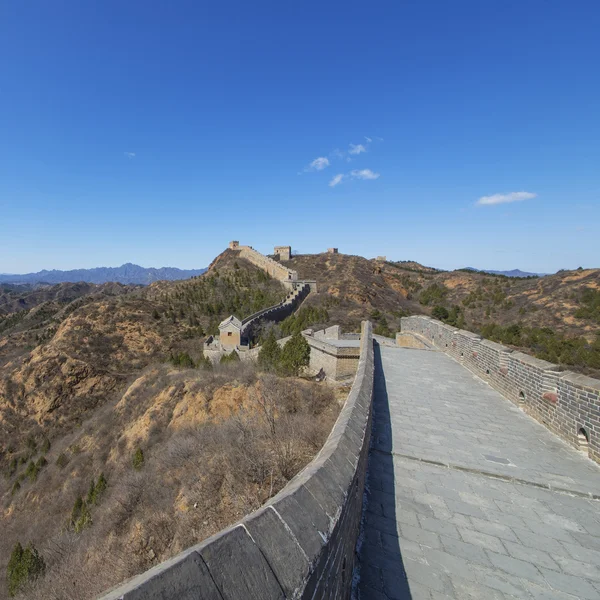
251	434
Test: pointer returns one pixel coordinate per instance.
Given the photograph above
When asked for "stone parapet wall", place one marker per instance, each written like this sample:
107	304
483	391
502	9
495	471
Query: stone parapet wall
272	267
275	313
301	544
338	363
408	340
565	402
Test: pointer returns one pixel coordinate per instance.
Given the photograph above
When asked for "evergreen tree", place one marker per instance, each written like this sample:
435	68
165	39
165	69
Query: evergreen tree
269	356
229	358
295	354
204	363
439	312
24	565
101	485
91	495
138	459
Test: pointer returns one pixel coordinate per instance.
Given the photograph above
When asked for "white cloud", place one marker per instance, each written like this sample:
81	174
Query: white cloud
355	174
319	164
337	153
369	140
337	179
356	149
129	154
364	174
505	198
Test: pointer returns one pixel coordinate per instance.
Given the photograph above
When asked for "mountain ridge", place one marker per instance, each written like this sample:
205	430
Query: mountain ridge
508	273
127	273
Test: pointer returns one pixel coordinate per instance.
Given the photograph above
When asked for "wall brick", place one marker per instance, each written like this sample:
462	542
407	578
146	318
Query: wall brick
565	402
301	544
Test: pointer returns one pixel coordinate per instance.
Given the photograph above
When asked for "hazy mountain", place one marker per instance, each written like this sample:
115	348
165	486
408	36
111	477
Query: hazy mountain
126	274
511	273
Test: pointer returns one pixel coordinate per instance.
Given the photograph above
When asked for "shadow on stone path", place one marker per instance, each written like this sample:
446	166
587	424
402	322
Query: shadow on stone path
382	572
439	524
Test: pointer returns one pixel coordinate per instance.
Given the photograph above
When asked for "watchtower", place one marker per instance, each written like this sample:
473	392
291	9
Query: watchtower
283	252
230	332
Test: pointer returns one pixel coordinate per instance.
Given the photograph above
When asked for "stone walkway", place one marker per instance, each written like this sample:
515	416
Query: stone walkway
443	518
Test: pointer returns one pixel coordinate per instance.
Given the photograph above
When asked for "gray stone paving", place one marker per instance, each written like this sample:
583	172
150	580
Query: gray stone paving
439	532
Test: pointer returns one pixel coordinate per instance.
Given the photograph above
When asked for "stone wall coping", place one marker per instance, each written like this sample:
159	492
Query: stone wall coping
563	401
543	365
468	334
287	300
583	380
281	550
496	346
323	345
538	363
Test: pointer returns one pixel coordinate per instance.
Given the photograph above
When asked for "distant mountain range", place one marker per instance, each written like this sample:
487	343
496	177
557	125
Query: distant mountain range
126	274
512	273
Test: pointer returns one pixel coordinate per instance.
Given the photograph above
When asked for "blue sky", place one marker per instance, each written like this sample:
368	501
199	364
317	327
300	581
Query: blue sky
155	132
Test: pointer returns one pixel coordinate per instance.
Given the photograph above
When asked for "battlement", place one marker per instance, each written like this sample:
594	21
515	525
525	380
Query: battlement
302	542
566	403
272	267
283	252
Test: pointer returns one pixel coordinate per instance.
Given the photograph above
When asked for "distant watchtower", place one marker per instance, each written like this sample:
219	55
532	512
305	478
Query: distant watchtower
283	252
332	250
230	332
234	245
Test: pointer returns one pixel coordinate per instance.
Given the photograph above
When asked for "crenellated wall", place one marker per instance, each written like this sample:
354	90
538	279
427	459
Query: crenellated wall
274	313
333	352
301	544
565	402
272	267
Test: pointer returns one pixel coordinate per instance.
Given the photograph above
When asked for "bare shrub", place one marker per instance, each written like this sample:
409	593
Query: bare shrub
195	479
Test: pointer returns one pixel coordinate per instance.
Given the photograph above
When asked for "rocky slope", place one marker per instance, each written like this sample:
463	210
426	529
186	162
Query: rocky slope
353	287
86	384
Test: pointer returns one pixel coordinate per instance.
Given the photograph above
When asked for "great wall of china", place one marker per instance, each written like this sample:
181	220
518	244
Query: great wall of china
565	402
466	496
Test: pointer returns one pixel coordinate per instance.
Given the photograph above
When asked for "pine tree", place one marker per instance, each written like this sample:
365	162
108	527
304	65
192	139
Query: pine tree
138	459
24	565
91	495
295	354
101	485
269	356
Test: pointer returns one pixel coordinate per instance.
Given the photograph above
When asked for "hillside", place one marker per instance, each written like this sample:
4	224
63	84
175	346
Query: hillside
88	379
113	456
556	317
126	274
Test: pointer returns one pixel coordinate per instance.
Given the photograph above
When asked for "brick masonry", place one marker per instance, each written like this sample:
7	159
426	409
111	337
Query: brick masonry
565	402
301	544
272	267
275	313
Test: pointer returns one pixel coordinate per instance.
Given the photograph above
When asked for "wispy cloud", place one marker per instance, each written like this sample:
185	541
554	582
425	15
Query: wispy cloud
129	154
364	174
355	174
349	156
337	179
318	164
505	198
356	149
